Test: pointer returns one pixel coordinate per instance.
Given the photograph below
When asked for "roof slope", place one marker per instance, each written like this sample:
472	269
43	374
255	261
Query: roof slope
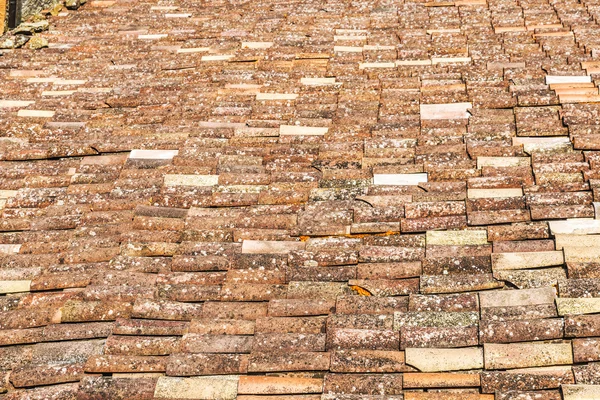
302	200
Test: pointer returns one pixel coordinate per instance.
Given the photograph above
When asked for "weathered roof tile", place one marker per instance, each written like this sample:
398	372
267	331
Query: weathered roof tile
209	212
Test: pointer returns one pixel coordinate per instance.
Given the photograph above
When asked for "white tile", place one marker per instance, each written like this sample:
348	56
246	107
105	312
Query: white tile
533	144
286	130
276	96
35	113
399	179
15	103
537	259
14	286
438	360
7	194
222	387
153	154
450	30
526	355
539	140
445	111
456	238
566	240
347	49
10	248
577	306
517	298
581	392
191	180
503	162
57	93
580	253
271	247
577	226
550	79
42	80
60	45
164	8
182	15
101	3
217	57
23	73
256	45
494	193
317	81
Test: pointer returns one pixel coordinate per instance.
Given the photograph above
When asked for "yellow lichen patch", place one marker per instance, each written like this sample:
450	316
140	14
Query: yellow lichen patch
361	291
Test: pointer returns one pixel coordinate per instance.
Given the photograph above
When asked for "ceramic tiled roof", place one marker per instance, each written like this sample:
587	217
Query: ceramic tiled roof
305	200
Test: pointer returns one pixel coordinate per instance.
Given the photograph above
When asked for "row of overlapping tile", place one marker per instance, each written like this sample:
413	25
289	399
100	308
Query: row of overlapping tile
302	200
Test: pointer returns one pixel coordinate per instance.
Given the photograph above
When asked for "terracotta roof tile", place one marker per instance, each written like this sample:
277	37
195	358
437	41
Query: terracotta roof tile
301	200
